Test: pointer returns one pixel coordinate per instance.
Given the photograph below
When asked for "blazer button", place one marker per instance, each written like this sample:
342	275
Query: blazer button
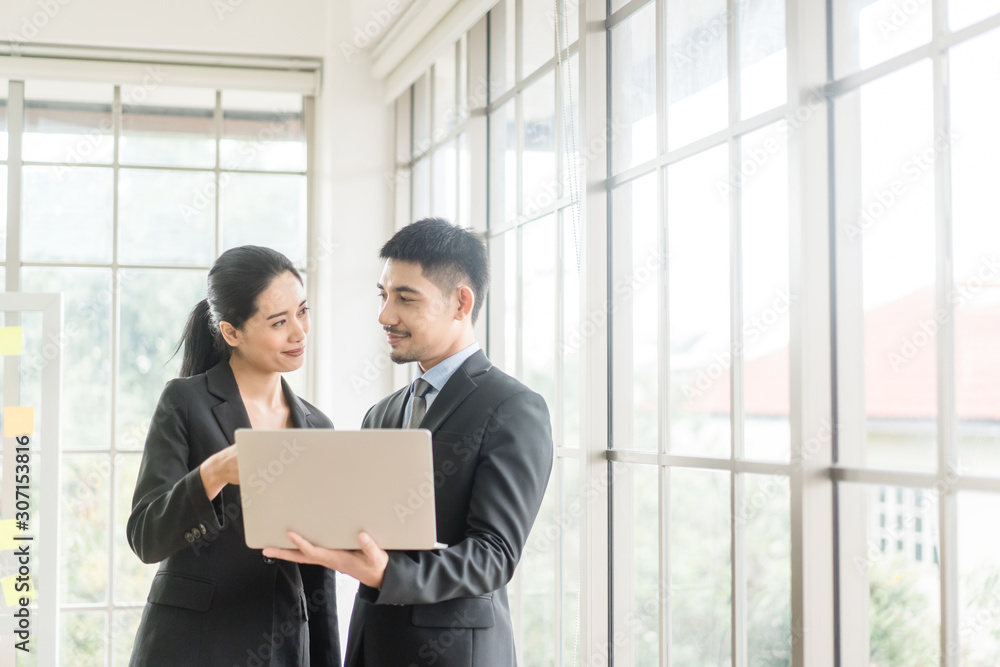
189	537
267	560
203	531
196	533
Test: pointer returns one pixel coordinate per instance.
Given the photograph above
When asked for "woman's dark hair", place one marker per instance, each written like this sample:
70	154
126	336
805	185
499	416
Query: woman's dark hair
238	276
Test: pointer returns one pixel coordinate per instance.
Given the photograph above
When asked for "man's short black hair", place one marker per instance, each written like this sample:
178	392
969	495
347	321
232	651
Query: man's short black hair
448	256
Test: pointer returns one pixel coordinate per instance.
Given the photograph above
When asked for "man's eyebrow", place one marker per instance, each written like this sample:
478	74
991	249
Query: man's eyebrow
285	312
401	288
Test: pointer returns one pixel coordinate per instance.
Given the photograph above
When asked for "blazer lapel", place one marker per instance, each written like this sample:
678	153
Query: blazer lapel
393	416
299	411
230	413
455	390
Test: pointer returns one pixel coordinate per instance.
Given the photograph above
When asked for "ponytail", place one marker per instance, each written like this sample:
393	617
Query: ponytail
200	342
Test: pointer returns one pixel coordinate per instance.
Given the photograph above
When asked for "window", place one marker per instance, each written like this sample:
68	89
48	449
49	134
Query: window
691	279
909	98
128	194
432	140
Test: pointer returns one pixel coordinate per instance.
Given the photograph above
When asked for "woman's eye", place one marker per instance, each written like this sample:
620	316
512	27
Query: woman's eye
303	311
278	323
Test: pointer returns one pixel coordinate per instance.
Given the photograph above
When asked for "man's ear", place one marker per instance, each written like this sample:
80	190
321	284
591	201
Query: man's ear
466	301
229	333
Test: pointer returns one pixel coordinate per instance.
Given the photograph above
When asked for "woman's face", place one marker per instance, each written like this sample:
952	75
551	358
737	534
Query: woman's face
274	339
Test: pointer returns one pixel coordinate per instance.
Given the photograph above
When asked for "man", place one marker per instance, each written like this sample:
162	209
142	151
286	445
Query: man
492	446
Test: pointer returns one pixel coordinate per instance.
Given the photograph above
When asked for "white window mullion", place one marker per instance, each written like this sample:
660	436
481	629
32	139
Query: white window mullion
812	632
947	450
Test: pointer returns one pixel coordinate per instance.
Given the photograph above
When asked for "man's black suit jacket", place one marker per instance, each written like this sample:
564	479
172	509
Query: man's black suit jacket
213	600
492	445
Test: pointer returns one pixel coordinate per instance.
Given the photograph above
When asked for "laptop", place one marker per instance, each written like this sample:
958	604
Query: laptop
329	485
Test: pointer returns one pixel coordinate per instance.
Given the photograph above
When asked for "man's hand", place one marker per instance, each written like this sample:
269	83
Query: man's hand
367	565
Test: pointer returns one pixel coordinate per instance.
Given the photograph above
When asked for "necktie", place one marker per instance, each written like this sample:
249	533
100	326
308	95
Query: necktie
419	407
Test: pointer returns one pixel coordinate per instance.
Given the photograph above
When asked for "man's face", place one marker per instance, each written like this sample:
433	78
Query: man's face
421	323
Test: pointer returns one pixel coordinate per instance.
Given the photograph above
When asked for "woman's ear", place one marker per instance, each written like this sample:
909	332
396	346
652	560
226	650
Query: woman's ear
230	334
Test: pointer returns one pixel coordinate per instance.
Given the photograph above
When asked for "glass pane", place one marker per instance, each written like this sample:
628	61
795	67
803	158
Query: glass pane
573	332
132	576
978	579
570	28
700	349
421	115
403	128
963	13
575	156
154	308
633	94
445	94
538	34
868	32
68	122
3	119
763	179
539	187
33	363
503	166
637	545
262	131
86	350
125	625
889	574
976	237
445	197
765	517
897	188
267	210
697	79
83	638
763	67
467	100
421	189
166	217
535	592
539	284
569	559
166	126
401	189
502	47
699	548
464	217
3	209
67	214
84	516
637	313
512	304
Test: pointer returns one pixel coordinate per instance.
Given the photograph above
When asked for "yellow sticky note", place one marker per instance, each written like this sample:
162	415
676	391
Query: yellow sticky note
8	530
10	340
12	595
18	421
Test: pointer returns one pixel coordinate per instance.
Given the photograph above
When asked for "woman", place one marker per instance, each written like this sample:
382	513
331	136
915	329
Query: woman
214	601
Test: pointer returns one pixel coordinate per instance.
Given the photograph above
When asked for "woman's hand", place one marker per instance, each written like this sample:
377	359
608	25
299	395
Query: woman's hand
218	470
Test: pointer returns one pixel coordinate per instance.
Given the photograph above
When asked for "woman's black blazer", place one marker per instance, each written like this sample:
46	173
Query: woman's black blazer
214	601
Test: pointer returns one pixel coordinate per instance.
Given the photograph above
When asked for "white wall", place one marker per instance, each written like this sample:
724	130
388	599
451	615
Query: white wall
355	128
